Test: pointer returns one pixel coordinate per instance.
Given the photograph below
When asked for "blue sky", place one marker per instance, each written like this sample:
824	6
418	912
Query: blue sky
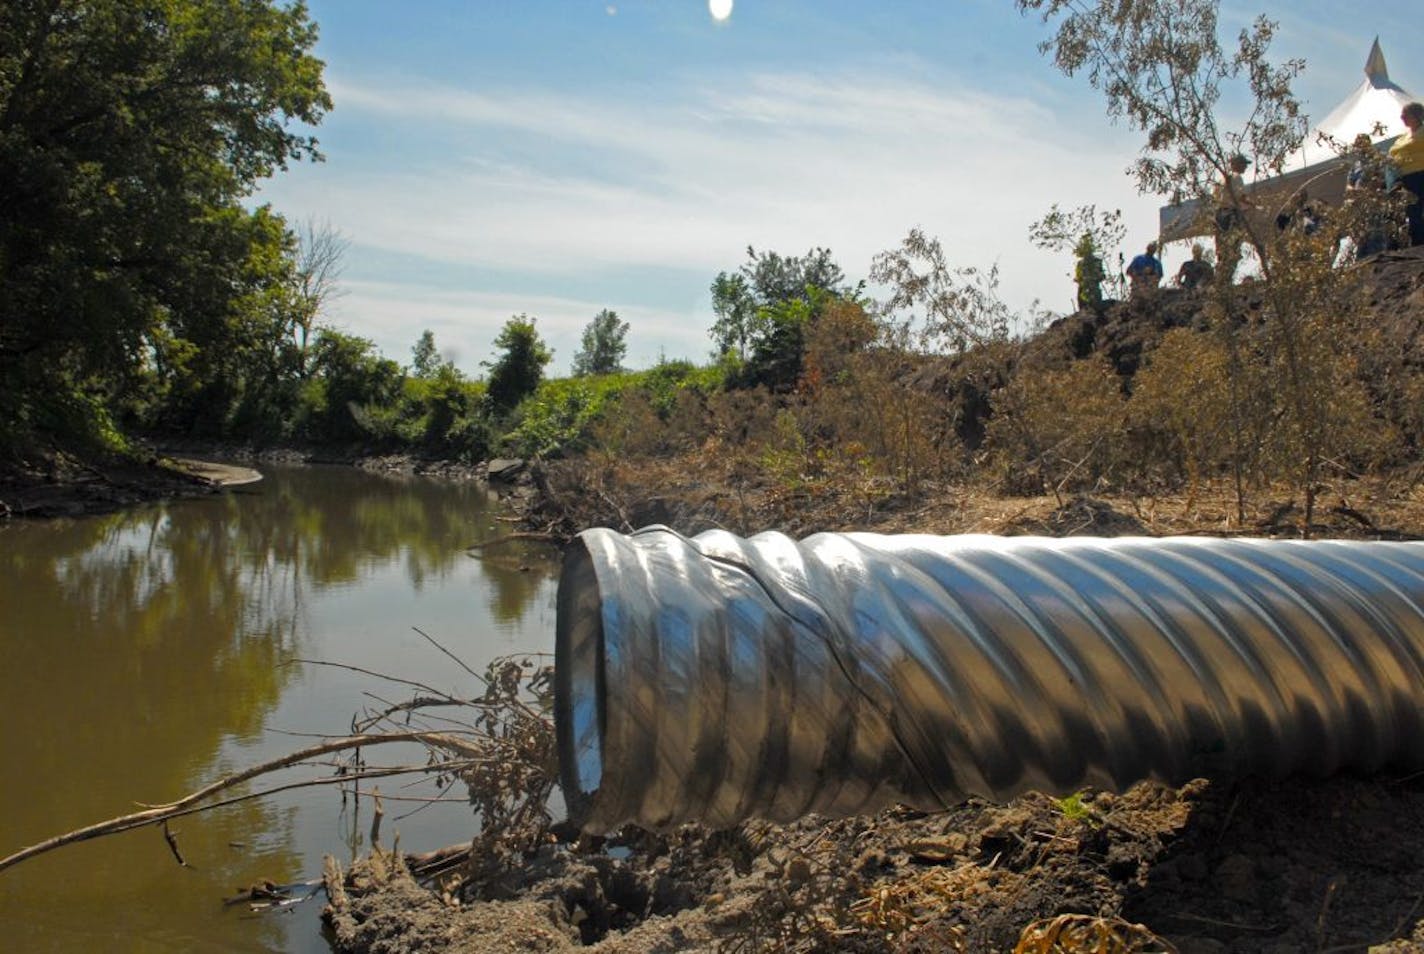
558	157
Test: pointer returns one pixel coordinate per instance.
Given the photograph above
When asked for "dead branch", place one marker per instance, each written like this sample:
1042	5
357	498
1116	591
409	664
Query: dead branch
172	838
458	661
188	804
411	706
378	675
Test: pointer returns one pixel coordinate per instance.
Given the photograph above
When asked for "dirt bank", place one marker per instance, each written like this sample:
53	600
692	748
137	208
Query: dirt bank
57	484
1270	867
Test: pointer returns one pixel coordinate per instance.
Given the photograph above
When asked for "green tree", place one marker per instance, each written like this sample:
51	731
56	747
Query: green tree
516	373
1162	67
424	358
355	391
777	278
131	131
766	308
228	363
735	308
603	347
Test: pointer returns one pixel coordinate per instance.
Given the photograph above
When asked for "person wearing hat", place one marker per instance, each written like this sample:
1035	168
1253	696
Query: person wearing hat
1229	221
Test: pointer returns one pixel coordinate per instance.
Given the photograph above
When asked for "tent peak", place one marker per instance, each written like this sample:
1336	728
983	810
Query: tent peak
1375	68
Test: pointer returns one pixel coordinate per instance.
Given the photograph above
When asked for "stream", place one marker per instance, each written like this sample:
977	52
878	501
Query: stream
146	653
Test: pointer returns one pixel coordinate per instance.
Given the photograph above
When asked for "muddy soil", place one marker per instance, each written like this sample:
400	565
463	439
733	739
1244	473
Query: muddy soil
56	484
1303	865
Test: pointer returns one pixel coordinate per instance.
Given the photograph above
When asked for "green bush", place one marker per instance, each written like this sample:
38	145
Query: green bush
558	418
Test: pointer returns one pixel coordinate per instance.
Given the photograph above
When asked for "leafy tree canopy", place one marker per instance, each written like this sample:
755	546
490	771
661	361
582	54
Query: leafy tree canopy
603	347
765	307
424	358
129	132
1162	67
516	373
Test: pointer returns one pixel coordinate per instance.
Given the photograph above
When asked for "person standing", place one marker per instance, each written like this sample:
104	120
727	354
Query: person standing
1229	218
1195	271
1089	275
1144	273
1407	154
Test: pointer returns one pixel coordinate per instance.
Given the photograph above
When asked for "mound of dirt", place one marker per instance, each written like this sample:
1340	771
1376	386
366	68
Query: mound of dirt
1258	866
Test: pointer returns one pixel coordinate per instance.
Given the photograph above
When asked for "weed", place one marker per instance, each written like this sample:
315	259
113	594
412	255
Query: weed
1086	934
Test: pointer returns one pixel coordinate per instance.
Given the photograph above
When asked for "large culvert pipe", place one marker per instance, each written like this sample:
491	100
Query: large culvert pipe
717	678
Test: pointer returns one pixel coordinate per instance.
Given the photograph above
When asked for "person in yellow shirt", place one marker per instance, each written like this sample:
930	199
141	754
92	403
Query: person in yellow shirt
1407	154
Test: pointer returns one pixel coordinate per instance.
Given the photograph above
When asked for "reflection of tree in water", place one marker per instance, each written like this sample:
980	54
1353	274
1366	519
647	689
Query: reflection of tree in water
192	608
174	620
144	640
136	643
515	574
355	519
339	520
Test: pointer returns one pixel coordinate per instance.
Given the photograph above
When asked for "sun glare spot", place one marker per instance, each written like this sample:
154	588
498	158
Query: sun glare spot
720	9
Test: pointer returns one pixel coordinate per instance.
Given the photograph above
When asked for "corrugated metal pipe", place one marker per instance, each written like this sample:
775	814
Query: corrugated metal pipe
718	678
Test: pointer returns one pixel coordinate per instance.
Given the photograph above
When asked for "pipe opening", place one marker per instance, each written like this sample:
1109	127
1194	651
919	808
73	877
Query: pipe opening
579	715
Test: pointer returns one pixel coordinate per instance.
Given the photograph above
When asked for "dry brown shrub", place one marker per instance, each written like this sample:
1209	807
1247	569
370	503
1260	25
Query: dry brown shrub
687	422
632	429
1059	430
857	398
1180	413
833	342
741	419
883	427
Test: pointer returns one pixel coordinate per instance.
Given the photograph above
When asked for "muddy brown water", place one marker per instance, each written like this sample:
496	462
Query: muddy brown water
146	653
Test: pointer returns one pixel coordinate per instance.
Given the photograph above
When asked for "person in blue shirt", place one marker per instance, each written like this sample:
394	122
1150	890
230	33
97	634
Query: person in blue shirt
1144	273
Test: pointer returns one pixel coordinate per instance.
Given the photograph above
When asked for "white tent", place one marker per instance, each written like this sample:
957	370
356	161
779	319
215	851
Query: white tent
1372	108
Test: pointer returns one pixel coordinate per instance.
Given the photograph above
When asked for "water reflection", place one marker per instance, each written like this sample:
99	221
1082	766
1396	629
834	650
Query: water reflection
143	653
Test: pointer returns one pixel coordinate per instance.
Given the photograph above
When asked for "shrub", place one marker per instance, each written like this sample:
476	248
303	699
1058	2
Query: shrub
1057	430
1180	414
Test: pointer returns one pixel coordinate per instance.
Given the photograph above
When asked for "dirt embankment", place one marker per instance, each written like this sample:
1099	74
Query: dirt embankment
1262	867
59	484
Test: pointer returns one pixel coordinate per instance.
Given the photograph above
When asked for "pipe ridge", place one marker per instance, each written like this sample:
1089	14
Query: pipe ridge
802	599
